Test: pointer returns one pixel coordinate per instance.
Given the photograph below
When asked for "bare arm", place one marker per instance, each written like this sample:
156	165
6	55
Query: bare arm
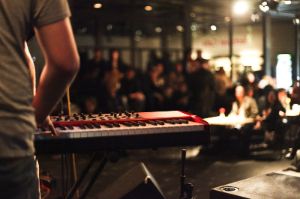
61	65
31	67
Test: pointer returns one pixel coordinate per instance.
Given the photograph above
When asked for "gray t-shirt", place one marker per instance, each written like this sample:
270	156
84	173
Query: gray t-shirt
17	122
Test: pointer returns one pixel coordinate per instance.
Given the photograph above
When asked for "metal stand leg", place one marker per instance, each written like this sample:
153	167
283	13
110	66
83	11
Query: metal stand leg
186	189
84	174
94	176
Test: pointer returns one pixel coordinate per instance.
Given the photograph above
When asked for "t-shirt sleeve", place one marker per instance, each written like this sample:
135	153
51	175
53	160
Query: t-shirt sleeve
50	11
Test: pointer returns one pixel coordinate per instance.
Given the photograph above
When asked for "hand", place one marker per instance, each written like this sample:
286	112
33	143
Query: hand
48	124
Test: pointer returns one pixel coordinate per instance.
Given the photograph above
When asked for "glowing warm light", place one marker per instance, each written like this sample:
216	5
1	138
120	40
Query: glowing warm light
227	19
158	29
223	62
264	6
213	27
240	7
251	58
284	71
97	5
206	55
193	27
148	8
179	28
296	21
287	2
194	55
254	17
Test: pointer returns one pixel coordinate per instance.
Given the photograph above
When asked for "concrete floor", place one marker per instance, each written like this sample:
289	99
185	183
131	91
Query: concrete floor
204	170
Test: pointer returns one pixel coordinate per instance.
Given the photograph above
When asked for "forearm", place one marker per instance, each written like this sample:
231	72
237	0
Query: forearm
31	67
52	86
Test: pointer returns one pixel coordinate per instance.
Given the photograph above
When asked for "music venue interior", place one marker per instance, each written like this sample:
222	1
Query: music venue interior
177	99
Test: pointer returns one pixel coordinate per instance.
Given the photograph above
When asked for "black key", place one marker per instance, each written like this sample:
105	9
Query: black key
184	121
109	125
116	124
61	127
152	122
97	125
127	124
82	126
90	126
142	123
160	122
135	123
70	127
170	121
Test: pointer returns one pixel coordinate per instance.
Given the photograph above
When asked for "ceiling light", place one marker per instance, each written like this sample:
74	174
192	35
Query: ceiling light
148	8
179	28
213	27
240	7
264	6
97	5
109	27
158	29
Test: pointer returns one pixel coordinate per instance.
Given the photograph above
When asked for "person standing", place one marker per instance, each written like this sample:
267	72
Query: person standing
20	110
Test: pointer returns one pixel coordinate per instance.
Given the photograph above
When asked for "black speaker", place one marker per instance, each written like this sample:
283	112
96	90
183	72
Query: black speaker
137	183
272	185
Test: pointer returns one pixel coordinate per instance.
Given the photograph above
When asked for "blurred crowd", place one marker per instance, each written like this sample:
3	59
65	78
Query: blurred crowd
188	85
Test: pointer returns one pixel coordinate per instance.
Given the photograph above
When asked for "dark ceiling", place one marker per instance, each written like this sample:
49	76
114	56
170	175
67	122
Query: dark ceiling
125	17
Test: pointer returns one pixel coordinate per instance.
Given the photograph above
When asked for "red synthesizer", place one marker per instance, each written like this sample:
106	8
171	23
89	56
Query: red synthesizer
124	130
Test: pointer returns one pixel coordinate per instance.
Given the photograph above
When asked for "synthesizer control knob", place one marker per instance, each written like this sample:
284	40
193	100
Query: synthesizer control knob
127	114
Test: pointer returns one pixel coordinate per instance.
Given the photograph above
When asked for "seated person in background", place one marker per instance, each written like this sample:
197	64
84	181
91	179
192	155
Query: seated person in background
109	97
266	101
131	89
243	106
272	124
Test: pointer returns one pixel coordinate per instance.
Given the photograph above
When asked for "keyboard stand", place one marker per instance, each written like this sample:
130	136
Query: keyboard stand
84	173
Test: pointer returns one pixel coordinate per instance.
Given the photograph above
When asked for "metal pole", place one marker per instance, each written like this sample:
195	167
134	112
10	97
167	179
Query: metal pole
187	33
267	44
297	53
230	43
